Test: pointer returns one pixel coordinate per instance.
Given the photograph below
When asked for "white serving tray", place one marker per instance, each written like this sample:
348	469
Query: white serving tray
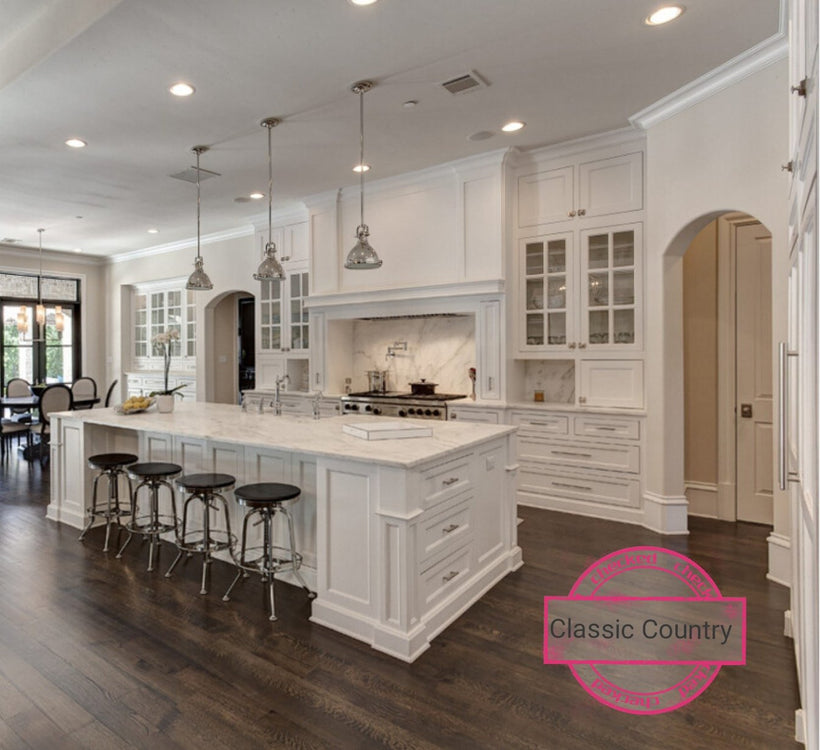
386	430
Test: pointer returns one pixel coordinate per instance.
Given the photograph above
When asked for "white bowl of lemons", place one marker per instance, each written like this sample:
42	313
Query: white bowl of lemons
134	405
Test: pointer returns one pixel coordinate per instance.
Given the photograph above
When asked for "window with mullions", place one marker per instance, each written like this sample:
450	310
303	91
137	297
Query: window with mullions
46	351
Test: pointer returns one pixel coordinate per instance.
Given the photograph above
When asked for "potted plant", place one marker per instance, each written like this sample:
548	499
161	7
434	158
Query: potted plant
165	397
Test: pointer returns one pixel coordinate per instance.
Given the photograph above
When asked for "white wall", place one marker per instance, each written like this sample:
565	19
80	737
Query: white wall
721	154
91	272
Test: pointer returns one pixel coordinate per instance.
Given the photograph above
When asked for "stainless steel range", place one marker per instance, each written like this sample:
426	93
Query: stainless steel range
398	404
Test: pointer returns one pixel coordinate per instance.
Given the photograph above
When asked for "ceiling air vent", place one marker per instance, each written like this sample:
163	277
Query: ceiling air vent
461	85
189	175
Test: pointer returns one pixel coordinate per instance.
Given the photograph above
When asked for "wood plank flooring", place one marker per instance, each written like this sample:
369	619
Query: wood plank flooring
97	653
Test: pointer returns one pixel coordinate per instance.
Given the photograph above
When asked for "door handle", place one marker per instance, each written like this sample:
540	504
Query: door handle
784	476
746	411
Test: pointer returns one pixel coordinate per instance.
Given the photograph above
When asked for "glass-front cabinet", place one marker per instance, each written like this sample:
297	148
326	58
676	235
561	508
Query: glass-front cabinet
283	319
587	297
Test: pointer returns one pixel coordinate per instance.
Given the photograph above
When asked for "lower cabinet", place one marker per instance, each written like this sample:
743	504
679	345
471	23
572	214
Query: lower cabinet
581	463
141	384
473	414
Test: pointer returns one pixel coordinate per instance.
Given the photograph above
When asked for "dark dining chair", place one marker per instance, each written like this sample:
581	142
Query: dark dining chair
57	397
83	388
109	393
18	387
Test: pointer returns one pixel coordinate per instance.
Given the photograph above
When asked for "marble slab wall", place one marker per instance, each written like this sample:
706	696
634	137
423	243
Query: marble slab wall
556	377
440	349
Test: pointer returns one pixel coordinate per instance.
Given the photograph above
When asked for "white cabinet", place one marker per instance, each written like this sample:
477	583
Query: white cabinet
584	189
581	290
283	316
291	241
467	413
141	384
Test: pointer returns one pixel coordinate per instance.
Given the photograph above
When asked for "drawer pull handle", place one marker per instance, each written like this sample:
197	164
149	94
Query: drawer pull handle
572	486
448	482
449	577
571	453
543	424
448	529
607	429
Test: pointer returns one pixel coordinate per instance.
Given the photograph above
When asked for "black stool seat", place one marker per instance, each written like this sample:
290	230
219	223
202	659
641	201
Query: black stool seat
111	460
149	469
208	481
265	493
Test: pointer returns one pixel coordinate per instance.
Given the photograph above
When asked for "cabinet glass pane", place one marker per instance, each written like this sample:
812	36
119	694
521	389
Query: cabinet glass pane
535	258
624	326
276	289
264	292
535	294
599	251
599	327
557	292
295	285
275	338
557	256
623	250
296	337
266	338
535	329
276	313
295	311
623	288
264	308
598	289
557	323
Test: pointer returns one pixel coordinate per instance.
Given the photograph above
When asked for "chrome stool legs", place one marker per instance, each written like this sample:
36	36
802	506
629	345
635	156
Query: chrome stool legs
151	524
112	466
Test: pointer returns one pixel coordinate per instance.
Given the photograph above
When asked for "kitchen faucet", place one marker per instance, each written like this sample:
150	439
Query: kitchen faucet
277	404
398	346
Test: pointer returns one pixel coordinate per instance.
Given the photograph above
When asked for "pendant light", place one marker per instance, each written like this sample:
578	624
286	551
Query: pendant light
270	268
22	320
198	280
362	256
59	320
40	313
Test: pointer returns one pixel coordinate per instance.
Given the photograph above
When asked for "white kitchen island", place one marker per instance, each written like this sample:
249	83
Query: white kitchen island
399	536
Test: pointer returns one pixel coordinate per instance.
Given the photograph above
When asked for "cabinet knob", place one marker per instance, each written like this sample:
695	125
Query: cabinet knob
571	214
787	167
582	212
800	89
582	345
571	344
582	399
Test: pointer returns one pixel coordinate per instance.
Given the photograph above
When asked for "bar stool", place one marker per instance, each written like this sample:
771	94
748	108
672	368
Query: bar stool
207	540
266	499
151	523
112	467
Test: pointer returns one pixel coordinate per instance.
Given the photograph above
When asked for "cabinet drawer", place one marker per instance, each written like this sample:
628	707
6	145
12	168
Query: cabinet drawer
446	480
443	577
606	489
488	416
445	529
586	426
588	455
530	423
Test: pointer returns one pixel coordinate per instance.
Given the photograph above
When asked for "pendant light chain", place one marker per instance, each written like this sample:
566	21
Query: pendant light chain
362	89
270	269
198	280
40	313
269	125
198	151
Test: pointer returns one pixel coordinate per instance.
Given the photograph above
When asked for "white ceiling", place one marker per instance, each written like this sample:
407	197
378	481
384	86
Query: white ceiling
100	70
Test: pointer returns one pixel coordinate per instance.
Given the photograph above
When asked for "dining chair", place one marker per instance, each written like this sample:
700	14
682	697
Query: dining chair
57	397
109	393
18	387
84	388
8	429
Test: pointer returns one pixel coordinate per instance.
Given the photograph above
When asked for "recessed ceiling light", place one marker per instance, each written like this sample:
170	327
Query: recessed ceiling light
78	249
664	15
410	103
513	126
256	196
362	2
361	168
76	143
182	89
153	231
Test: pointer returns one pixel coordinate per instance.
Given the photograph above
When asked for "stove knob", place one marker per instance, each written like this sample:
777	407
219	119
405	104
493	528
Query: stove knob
347	407
427	412
355	407
436	412
376	410
368	407
411	410
402	413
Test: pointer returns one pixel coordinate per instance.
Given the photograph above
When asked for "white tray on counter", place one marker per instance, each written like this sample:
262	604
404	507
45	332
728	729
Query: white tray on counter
386	430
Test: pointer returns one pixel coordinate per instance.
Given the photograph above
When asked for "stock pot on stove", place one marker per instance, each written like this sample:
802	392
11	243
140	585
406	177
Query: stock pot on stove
423	388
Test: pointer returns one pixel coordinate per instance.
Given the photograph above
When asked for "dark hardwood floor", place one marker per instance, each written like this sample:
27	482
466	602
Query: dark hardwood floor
97	653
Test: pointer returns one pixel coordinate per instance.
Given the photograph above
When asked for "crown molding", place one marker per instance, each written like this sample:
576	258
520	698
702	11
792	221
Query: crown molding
208	239
26	252
747	63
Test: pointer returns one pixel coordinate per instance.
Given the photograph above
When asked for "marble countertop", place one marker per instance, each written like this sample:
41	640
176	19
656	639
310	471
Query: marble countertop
298	434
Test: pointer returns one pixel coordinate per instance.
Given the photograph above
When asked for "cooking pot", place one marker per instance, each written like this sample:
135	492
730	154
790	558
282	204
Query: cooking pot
423	388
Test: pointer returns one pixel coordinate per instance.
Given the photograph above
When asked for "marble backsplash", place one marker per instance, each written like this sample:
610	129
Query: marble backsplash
440	349
556	377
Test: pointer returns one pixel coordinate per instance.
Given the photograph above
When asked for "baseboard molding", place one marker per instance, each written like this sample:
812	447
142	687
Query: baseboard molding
788	627
665	514
580	508
800	726
780	559
703	499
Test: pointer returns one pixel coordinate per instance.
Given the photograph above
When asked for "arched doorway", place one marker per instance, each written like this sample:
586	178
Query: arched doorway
224	346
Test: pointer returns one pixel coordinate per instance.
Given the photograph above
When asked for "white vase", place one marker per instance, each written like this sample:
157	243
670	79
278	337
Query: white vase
165	403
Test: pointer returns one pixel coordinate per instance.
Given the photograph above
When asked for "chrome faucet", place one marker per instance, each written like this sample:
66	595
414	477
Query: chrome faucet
317	397
277	403
398	346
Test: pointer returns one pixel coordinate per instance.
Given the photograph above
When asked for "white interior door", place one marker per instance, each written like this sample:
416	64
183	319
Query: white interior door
754	375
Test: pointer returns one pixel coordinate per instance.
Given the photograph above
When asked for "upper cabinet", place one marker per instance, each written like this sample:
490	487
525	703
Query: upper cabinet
283	318
582	190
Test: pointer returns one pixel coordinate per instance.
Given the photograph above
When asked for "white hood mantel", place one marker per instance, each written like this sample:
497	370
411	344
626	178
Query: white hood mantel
463	297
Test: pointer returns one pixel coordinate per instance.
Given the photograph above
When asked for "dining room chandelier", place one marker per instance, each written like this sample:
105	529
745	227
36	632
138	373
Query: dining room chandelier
198	280
270	268
40	310
362	256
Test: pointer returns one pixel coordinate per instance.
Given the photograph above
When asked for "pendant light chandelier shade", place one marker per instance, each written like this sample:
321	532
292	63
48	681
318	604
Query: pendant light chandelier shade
270	268
198	280
362	256
40	313
59	320
22	320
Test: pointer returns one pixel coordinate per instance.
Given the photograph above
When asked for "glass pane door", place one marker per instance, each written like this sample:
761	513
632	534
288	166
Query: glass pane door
58	342
547	291
299	339
18	347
